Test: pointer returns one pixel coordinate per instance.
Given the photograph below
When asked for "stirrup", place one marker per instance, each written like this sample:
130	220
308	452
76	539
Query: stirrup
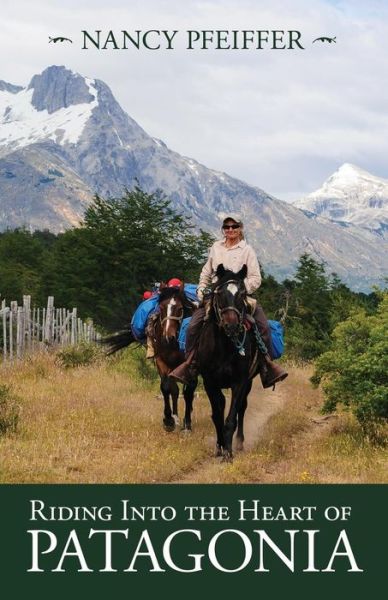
186	373
274	380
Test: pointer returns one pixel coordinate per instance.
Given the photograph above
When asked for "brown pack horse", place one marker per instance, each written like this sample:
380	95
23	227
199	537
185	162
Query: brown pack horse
164	328
173	307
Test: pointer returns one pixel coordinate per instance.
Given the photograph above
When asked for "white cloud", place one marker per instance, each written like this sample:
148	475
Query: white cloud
282	120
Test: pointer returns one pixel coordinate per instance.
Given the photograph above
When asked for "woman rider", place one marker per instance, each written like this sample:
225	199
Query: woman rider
233	252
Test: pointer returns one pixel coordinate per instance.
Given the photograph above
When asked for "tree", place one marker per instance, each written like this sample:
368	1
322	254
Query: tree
22	255
270	295
309	310
122	247
354	372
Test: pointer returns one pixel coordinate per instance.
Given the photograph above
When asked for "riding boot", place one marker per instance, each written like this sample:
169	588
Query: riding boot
187	372
150	333
150	348
271	373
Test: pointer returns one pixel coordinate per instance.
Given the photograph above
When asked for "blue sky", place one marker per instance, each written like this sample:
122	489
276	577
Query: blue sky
281	120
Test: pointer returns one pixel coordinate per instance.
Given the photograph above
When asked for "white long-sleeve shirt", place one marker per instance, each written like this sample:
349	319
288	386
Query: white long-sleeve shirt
233	259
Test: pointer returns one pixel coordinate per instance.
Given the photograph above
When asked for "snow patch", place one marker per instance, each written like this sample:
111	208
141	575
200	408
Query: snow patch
351	195
21	124
192	164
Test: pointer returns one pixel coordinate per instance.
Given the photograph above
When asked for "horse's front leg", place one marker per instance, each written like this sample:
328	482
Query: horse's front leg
240	419
217	401
174	390
238	399
188	393
168	420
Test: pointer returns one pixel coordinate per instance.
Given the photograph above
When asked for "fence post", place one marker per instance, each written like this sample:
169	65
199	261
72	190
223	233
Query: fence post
59	326
65	320
49	325
38	325
12	316
74	339
33	319
19	332
43	328
4	313
27	320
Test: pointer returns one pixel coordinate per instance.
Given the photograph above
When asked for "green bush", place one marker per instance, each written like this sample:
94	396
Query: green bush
302	343
354	372
80	355
133	364
145	367
9	410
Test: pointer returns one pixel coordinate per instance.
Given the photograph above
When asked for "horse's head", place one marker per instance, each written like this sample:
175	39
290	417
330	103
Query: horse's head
229	295
171	308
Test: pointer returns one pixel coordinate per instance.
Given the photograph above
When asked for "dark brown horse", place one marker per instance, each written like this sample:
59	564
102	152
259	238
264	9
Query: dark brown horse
164	329
228	357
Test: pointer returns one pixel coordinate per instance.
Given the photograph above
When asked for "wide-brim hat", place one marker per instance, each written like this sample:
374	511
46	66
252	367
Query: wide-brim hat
232	217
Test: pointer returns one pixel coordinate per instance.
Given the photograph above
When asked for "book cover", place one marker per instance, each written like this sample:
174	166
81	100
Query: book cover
132	137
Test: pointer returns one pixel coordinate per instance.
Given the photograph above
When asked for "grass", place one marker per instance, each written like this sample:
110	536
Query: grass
102	423
299	445
9	410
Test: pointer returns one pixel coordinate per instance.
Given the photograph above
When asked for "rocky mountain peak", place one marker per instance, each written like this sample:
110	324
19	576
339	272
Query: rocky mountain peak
350	169
349	174
57	87
351	195
65	137
9	87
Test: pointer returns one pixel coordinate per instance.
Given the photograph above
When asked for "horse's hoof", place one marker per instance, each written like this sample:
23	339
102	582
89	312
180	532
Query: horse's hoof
169	425
186	426
227	457
176	420
239	446
218	451
186	430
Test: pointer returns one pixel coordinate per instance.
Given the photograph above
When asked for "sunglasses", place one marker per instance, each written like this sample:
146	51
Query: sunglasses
234	226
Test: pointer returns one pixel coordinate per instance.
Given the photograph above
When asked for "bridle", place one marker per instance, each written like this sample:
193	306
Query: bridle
178	317
220	311
172	317
238	338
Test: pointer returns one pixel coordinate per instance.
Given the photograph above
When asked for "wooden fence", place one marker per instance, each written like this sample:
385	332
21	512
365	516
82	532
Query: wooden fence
26	329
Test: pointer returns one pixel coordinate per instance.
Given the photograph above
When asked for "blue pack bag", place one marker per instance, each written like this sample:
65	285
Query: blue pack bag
145	308
277	335
191	291
140	316
182	333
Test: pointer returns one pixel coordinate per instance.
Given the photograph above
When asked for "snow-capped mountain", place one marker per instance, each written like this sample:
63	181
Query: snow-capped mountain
351	195
65	137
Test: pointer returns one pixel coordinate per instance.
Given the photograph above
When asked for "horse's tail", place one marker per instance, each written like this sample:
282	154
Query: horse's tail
118	341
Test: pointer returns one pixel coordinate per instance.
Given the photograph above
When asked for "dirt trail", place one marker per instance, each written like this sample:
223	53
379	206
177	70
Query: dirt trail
262	404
